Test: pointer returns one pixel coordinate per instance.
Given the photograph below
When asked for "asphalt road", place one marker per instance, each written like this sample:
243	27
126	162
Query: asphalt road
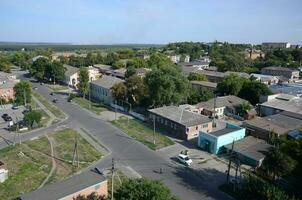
128	152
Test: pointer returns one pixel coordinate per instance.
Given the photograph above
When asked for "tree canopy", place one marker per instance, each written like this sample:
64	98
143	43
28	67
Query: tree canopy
22	92
134	189
83	84
197	77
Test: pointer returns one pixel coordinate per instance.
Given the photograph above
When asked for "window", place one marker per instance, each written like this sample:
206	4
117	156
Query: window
172	125
166	122
188	129
205	126
196	127
162	120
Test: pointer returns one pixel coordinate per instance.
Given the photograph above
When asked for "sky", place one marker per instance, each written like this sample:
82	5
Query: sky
150	21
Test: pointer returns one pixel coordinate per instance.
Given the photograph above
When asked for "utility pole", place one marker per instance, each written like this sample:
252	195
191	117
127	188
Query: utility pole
112	178
24	96
75	153
153	128
89	90
230	162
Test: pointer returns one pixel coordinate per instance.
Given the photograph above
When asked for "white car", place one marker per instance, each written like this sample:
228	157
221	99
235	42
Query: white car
184	159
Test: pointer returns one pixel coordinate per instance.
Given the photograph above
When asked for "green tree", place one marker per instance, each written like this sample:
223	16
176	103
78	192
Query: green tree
244	107
167	86
119	91
197	77
54	71
276	163
4	63
134	189
137	63
199	95
253	90
158	60
33	117
118	64
231	85
137	91
83	84
39	67
22	92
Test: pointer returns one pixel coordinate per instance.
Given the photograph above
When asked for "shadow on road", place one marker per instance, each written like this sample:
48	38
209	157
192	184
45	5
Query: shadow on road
208	187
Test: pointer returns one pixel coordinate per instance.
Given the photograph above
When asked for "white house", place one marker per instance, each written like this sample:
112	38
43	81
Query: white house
71	76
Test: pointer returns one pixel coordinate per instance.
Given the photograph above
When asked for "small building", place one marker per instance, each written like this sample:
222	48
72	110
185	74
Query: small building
179	122
84	184
204	85
223	134
279	124
276	44
174	58
253	54
3	172
101	89
196	64
250	150
225	105
274	104
290	74
265	79
93	73
71	76
213	76
104	69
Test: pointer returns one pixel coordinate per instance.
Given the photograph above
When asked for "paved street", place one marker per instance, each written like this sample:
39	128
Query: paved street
128	152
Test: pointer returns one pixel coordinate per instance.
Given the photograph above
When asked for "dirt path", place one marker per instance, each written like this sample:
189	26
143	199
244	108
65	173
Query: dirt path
54	164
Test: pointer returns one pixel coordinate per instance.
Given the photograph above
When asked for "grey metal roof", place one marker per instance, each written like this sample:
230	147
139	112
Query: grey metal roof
70	70
225	101
205	83
223	131
294	105
181	116
241	74
107	81
250	147
66	187
279	69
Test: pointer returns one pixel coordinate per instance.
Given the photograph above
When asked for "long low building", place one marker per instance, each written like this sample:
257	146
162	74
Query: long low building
204	85
279	124
179	122
84	183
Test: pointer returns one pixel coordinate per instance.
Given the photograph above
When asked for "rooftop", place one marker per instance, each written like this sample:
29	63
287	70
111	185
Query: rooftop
107	81
222	128
279	123
205	83
251	147
225	101
279	69
67	187
181	116
70	70
285	103
213	73
241	74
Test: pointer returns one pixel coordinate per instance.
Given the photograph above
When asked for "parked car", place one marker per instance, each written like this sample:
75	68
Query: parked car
4	115
7	118
51	94
184	159
55	100
35	88
15	107
24	112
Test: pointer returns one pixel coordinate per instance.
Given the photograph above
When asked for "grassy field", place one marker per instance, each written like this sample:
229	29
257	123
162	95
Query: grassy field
95	107
27	172
142	133
52	108
57	87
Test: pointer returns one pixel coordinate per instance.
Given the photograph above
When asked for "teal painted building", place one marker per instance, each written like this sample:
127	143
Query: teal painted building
224	134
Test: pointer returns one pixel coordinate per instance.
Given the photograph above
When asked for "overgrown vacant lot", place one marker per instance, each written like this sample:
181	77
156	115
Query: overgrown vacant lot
27	172
142	133
57	87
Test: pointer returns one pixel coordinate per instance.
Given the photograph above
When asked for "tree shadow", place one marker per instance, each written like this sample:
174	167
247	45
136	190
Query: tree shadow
204	181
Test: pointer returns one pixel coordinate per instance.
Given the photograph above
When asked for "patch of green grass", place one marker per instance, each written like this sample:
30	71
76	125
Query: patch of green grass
57	87
142	133
95	107
26	173
52	108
